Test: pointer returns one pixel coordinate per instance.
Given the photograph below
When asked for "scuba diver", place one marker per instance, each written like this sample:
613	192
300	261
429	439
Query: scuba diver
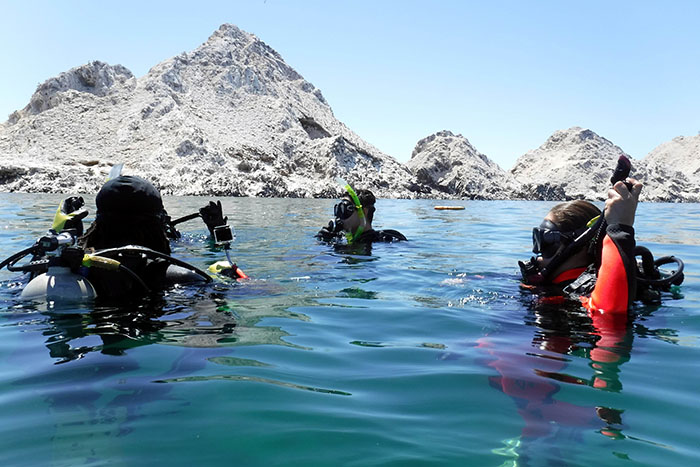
353	219
592	256
125	253
584	257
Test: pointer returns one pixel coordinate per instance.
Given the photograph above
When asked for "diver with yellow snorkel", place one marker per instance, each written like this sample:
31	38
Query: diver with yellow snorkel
353	220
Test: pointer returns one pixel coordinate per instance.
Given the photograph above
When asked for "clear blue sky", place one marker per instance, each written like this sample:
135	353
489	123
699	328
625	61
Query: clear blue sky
505	74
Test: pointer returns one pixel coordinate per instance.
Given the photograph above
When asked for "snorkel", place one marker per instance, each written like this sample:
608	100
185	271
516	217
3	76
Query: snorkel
351	237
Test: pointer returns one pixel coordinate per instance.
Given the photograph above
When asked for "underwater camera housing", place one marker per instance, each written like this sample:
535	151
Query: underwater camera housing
223	235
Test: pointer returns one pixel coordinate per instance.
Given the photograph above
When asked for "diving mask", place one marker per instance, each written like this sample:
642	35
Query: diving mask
546	239
344	209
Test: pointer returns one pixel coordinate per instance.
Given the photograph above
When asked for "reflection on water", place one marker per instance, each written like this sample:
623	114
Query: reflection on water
562	336
252	379
199	319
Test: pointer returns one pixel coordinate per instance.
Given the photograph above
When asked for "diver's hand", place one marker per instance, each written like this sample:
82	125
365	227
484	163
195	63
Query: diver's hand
70	214
213	215
621	204
328	233
72	204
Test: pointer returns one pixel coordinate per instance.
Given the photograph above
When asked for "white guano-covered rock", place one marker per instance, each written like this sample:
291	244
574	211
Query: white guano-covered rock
229	118
676	164
449	163
572	164
577	164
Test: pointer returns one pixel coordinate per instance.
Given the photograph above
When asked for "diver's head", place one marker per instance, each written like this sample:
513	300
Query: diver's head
129	212
128	195
561	226
347	211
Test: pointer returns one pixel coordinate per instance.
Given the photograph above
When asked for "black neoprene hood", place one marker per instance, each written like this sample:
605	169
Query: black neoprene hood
129	194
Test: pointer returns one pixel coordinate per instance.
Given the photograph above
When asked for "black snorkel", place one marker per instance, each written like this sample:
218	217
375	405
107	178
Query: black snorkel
533	274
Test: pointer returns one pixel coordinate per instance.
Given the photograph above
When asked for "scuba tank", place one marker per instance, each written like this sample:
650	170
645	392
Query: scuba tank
59	283
54	277
55	259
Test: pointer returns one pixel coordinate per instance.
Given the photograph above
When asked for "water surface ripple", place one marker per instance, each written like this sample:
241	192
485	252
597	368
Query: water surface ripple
420	353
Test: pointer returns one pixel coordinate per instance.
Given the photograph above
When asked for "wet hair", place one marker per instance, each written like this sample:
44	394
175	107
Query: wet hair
129	212
367	201
573	215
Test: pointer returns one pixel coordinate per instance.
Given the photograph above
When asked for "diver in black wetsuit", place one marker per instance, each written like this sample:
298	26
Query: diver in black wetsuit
130	213
353	218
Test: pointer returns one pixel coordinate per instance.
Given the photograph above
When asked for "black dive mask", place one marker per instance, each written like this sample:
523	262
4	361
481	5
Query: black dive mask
556	246
547	238
344	209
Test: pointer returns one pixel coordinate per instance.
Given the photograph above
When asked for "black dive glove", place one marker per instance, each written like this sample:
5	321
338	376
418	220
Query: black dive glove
331	231
212	214
70	216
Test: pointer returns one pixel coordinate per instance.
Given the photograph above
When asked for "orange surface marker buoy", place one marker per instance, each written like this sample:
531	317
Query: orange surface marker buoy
449	208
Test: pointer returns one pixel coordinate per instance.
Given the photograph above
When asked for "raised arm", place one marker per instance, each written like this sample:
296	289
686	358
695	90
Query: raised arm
616	284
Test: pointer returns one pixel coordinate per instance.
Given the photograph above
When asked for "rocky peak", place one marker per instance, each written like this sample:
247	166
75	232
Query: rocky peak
681	154
228	118
449	163
572	163
577	164
231	61
95	78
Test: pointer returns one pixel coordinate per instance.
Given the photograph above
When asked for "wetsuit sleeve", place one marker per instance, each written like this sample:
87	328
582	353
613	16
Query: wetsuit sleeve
391	235
616	285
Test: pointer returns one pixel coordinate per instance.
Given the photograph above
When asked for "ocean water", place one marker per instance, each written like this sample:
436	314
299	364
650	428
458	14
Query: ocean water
418	353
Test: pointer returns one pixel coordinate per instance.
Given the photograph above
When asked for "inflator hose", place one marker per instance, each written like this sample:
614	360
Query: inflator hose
154	254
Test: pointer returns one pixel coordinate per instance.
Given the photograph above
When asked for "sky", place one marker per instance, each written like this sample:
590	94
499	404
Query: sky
504	74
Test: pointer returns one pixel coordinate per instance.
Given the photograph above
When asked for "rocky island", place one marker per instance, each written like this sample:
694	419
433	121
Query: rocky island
232	118
229	118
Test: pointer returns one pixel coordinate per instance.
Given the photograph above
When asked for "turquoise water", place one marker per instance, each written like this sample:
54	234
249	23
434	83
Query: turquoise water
421	353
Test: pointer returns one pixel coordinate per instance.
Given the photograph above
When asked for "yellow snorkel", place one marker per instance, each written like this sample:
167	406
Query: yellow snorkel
60	219
351	237
69	215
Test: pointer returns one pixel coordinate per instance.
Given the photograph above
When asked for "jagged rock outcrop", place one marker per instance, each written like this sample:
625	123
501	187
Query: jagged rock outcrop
229	118
232	118
571	164
95	78
450	164
676	164
577	164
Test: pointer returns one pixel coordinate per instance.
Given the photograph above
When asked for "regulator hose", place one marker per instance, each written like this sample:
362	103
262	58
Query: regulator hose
650	274
135	277
153	254
9	262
